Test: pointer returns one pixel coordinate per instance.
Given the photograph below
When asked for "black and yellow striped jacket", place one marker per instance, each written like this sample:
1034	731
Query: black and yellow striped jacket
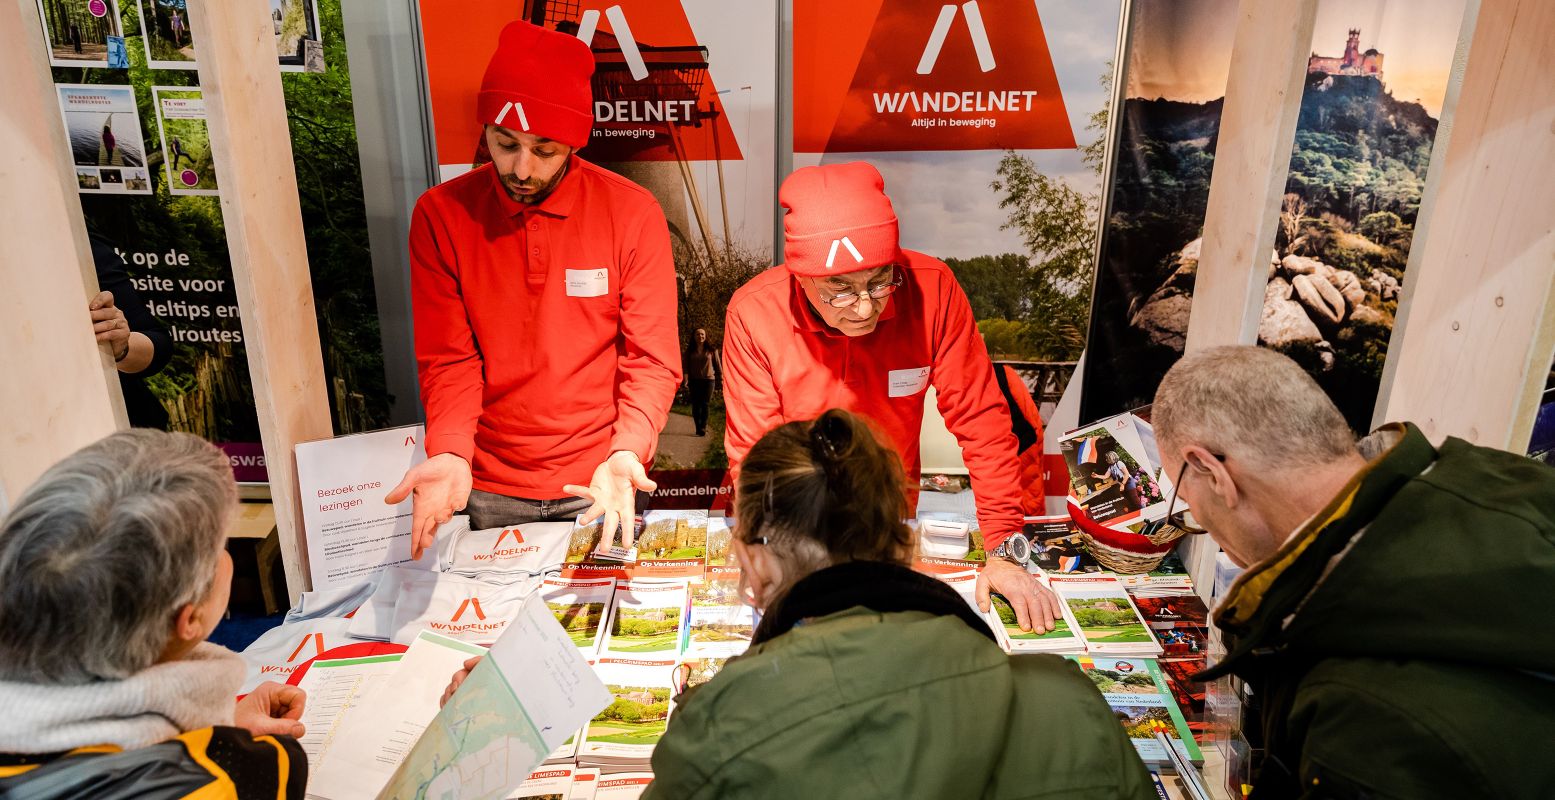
218	763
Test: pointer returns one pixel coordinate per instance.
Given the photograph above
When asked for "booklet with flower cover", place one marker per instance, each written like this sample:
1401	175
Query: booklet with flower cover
1137	691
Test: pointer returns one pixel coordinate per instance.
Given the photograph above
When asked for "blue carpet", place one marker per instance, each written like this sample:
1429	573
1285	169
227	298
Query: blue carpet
238	631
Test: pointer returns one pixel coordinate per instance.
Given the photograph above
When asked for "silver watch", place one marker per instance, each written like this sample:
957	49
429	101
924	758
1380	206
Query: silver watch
1017	548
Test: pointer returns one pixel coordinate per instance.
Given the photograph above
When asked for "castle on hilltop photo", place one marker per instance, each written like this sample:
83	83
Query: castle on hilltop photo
1353	62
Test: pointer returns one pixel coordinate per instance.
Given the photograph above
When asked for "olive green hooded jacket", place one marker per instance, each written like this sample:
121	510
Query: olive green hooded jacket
1402	643
892	703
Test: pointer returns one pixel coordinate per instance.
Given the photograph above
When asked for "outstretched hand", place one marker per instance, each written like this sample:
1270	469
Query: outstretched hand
1034	604
442	487
613	490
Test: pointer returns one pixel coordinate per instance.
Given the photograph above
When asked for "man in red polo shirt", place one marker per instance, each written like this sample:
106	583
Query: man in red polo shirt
544	298
856	322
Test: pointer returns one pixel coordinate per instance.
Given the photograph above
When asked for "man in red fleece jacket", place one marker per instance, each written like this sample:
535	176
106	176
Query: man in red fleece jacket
856	322
544	299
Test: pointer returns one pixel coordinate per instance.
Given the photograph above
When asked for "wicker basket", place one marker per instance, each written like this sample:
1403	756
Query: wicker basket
1120	551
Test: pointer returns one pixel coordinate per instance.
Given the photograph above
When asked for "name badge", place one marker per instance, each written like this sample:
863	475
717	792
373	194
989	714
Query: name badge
908	382
588	282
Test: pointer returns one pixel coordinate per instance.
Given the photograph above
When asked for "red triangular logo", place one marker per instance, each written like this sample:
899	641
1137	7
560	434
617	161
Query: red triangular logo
471	603
409	440
518	538
929	75
318	646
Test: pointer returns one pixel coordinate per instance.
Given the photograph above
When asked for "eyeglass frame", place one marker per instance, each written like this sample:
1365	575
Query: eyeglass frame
884	290
1178	519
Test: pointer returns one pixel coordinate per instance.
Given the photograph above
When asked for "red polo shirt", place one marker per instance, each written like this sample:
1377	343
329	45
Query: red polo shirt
783	363
545	334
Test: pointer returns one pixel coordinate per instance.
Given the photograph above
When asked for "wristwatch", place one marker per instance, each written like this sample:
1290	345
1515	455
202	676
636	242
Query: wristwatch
1016	548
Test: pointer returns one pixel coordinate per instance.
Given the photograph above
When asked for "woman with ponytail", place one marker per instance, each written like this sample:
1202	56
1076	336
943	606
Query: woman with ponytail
866	679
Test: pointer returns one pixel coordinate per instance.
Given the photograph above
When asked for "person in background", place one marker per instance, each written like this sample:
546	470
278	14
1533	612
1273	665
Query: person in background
704	374
543	290
1393	618
113	571
139	342
866	679
853	321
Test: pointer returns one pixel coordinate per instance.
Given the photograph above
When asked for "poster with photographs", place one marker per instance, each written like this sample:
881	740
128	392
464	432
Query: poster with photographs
169	37
106	144
186	140
83	33
167	34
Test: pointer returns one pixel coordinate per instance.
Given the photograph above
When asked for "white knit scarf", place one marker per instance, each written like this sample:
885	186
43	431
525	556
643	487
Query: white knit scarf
155	704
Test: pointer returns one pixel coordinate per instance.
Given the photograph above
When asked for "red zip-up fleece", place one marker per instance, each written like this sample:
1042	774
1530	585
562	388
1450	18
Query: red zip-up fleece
545	333
783	363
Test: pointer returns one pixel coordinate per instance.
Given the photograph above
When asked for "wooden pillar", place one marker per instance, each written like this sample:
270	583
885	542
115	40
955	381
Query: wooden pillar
60	390
1476	326
252	148
1252	159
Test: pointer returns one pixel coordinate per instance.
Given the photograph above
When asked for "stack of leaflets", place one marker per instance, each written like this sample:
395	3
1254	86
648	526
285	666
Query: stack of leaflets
646	621
718	536
1105	616
585	783
625	786
1115	472
719	625
547	783
580	605
1138	694
622	736
1170	574
1056	546
1179	620
1061	639
672	544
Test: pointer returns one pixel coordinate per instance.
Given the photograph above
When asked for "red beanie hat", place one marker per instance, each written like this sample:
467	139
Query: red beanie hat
538	82
837	219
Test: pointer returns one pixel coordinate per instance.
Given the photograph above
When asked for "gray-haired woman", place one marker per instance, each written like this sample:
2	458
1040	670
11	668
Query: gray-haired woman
113	571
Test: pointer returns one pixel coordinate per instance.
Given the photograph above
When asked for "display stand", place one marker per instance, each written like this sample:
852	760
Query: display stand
1476	325
60	392
260	209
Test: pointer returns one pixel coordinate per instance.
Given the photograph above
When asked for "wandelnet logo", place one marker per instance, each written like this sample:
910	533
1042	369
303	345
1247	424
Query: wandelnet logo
929	75
523	121
292	662
518	548
831	257
478	624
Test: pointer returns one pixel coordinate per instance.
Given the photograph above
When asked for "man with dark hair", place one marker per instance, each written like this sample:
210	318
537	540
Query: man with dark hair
1393	620
544	295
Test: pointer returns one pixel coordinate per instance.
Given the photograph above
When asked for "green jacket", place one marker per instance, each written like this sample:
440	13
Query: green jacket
865	705
1401	644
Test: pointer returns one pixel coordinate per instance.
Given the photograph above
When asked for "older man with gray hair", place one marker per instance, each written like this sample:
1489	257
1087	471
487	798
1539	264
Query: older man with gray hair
1393	620
113	571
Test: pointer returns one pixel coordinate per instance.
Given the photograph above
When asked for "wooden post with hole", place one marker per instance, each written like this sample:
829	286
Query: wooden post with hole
61	390
252	149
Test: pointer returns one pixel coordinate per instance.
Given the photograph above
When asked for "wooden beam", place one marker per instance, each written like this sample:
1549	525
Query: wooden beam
60	390
1475	332
252	148
1257	133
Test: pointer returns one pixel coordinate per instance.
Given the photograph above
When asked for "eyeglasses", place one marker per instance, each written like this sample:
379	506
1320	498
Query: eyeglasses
1180	519
849	299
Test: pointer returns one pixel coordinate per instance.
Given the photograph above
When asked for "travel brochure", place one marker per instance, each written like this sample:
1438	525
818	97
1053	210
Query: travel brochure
1115	471
1136	691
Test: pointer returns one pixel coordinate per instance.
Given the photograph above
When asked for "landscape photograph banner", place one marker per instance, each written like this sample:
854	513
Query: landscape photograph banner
1377	77
988	122
684	95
